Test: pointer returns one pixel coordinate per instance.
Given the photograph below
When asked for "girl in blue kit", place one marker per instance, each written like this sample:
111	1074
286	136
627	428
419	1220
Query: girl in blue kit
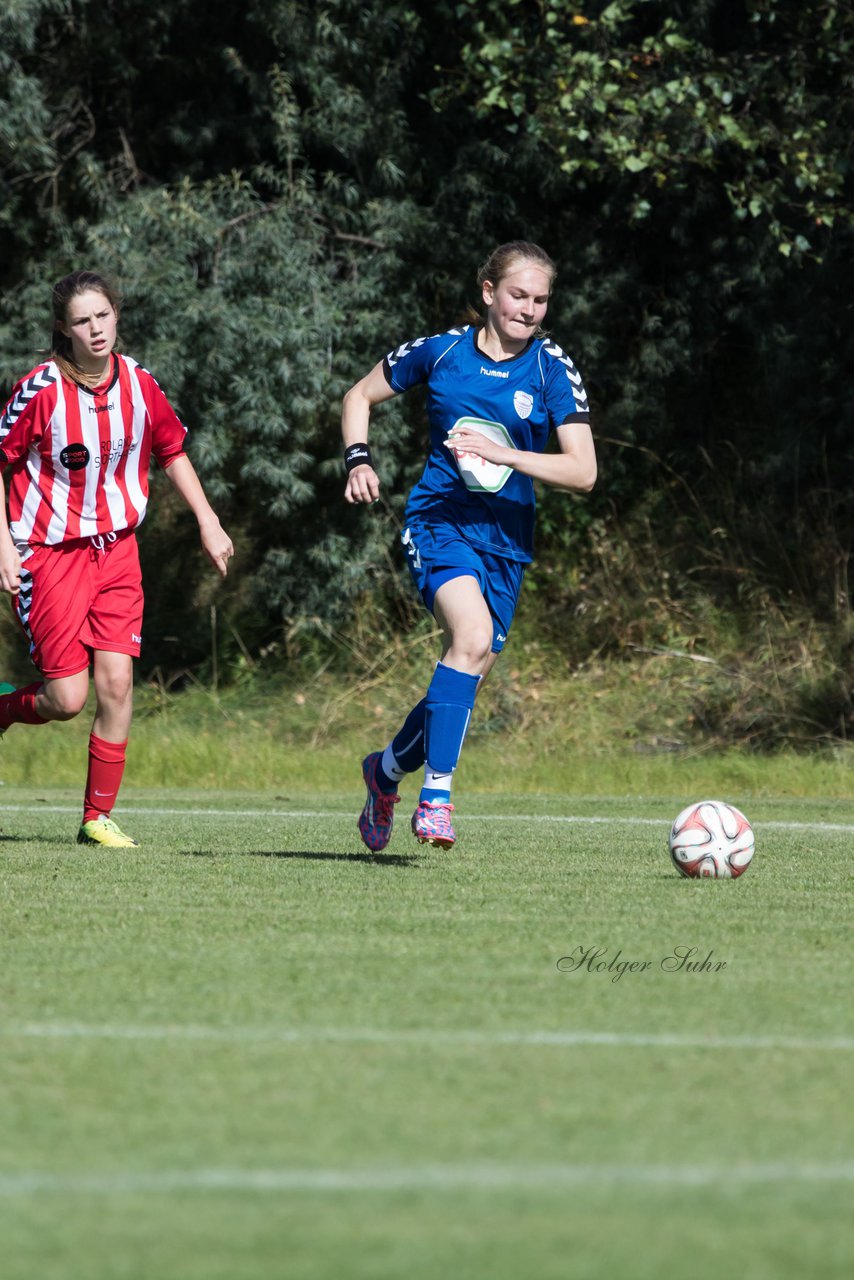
496	390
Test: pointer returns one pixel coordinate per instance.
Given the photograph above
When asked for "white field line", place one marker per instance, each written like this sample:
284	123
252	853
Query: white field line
349	816
430	1178
423	1037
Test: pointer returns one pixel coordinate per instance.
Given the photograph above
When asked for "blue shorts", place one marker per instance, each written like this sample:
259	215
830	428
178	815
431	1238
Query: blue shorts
437	553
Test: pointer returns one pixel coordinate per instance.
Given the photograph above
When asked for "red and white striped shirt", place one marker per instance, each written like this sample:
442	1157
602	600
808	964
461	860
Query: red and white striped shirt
78	458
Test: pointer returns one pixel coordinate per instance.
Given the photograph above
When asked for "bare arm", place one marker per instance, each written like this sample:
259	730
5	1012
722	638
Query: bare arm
363	483
573	469
215	541
10	561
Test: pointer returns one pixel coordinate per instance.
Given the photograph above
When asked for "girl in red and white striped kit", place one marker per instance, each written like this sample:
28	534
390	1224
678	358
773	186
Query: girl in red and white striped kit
75	442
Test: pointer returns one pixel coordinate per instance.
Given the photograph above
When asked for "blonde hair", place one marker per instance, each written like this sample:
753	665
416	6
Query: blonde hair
500	263
64	290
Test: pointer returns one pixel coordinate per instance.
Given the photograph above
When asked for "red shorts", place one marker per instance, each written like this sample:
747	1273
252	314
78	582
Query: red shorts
75	598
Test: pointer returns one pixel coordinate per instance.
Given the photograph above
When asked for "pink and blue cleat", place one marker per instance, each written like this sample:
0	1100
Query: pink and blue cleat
431	824
377	818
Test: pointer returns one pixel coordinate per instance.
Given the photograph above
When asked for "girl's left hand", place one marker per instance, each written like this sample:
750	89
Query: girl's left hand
217	546
463	440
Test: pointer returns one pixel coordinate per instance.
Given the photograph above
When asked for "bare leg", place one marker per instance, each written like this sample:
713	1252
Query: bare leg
63	699
114	693
462	613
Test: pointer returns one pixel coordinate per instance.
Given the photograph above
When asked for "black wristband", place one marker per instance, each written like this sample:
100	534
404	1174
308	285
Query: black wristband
357	455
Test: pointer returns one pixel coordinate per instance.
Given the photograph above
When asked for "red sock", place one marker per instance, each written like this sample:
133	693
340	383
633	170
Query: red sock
106	766
20	707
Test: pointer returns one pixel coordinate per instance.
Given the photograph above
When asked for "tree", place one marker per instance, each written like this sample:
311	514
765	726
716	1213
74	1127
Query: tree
305	185
708	204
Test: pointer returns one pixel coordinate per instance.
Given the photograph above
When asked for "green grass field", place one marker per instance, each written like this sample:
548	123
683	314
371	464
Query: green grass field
252	1049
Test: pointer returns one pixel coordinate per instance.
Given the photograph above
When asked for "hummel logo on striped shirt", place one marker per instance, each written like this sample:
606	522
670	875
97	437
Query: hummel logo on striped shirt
33	385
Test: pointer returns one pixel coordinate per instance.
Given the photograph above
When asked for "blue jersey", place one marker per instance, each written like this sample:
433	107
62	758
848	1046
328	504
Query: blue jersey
516	402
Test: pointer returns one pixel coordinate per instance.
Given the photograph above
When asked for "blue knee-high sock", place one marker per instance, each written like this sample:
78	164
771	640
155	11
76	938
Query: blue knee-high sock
405	752
450	699
408	744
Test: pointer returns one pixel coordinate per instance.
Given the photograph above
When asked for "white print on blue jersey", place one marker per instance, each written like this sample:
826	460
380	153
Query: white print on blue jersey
410	548
476	472
521	401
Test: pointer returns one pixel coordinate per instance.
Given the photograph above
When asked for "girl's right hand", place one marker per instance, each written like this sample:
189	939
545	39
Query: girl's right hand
10	568
363	485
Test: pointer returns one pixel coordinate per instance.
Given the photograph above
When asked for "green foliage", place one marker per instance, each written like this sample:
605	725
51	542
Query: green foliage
285	190
751	98
255	293
708	207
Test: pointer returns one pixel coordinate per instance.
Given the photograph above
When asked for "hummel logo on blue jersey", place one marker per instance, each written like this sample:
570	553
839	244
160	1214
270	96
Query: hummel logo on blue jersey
494	373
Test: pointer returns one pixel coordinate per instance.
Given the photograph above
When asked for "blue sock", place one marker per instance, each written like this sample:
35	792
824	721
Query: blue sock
449	703
408	744
405	752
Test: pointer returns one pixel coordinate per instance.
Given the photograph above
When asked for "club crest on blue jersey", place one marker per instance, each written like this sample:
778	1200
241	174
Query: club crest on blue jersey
523	403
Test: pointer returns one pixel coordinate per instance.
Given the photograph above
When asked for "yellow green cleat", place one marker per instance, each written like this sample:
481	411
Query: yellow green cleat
103	831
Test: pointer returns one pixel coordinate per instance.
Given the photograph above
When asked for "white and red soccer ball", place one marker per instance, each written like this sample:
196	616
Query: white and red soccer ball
711	839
